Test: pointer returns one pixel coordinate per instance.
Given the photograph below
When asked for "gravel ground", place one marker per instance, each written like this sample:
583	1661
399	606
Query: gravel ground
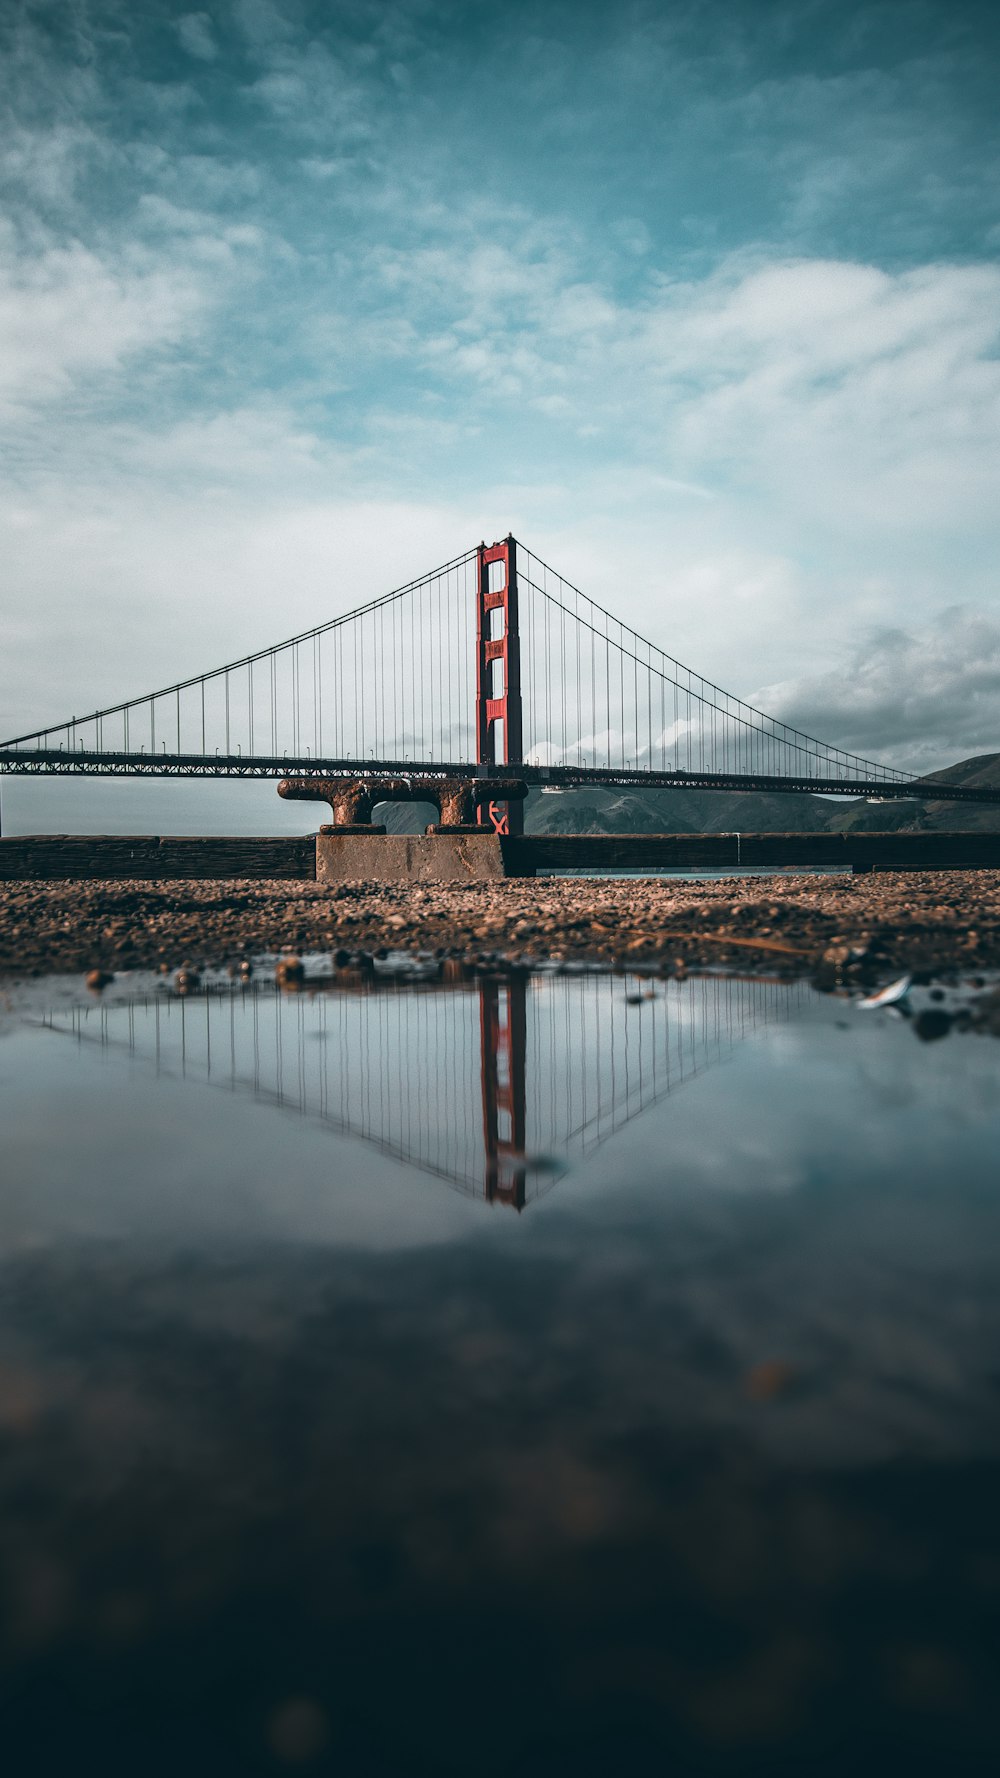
853	926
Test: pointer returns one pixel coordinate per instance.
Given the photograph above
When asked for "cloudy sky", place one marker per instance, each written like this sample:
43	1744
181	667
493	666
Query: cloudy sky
701	299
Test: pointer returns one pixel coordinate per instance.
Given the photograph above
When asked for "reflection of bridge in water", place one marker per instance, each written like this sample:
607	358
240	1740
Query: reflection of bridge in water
495	1085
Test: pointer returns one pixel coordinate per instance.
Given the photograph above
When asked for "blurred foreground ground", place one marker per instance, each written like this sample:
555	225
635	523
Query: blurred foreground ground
859	925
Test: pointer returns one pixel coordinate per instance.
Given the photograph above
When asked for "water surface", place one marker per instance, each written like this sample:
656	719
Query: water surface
543	1375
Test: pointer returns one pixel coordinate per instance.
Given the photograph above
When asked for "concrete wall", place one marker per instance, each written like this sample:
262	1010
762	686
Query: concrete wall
470	858
150	857
409	858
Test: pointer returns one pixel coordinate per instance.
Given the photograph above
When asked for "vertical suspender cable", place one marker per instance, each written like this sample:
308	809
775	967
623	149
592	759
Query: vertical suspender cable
579	689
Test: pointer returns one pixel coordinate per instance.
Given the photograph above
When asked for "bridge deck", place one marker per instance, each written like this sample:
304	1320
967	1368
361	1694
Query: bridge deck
61	762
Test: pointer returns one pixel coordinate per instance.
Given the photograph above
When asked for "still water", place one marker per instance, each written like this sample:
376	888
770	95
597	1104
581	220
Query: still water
546	1375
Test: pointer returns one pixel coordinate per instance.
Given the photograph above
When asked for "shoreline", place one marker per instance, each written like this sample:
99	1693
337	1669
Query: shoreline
860	926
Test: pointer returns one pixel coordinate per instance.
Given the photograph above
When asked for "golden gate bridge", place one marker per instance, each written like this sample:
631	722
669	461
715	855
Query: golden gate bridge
489	662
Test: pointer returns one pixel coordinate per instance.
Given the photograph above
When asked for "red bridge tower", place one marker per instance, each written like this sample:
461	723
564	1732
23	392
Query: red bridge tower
498	672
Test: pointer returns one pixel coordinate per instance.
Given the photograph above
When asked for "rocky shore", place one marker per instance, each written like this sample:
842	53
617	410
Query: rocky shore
855	926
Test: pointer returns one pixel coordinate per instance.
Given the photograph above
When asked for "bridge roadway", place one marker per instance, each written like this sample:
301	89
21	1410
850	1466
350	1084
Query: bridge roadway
81	763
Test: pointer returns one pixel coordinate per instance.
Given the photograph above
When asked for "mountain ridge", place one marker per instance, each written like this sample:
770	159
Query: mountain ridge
592	809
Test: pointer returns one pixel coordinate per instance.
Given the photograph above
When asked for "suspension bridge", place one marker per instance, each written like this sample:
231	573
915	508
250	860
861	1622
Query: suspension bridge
491	662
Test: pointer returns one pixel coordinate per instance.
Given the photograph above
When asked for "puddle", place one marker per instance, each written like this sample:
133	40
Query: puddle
427	1373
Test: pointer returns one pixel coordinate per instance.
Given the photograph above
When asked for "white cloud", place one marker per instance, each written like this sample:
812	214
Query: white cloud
66	313
916	697
195	32
845	394
733	416
45	164
132	579
263	24
829	399
859	395
312	92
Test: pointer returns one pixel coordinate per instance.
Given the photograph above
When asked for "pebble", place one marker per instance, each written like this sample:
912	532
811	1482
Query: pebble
290	972
298	1731
929	919
769	1379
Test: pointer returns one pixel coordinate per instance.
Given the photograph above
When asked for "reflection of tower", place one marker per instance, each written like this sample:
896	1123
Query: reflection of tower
397	1068
503	1037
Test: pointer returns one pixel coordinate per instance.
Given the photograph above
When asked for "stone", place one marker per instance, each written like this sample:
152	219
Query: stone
769	1379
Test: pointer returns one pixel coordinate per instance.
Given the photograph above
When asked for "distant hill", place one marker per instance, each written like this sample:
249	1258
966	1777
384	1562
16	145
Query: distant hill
592	810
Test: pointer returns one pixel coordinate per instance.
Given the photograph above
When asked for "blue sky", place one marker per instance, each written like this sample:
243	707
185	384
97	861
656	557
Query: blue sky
702	300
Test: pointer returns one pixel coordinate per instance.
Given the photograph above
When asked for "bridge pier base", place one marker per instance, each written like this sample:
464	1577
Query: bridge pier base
416	858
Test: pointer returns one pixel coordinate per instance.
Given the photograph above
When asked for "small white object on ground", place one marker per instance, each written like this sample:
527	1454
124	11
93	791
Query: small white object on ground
889	996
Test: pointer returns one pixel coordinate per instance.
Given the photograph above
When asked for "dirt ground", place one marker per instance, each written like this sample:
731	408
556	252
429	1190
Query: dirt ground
858	926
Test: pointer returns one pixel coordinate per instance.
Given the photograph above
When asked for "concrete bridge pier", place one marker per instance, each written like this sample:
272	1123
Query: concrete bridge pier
464	856
458	848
